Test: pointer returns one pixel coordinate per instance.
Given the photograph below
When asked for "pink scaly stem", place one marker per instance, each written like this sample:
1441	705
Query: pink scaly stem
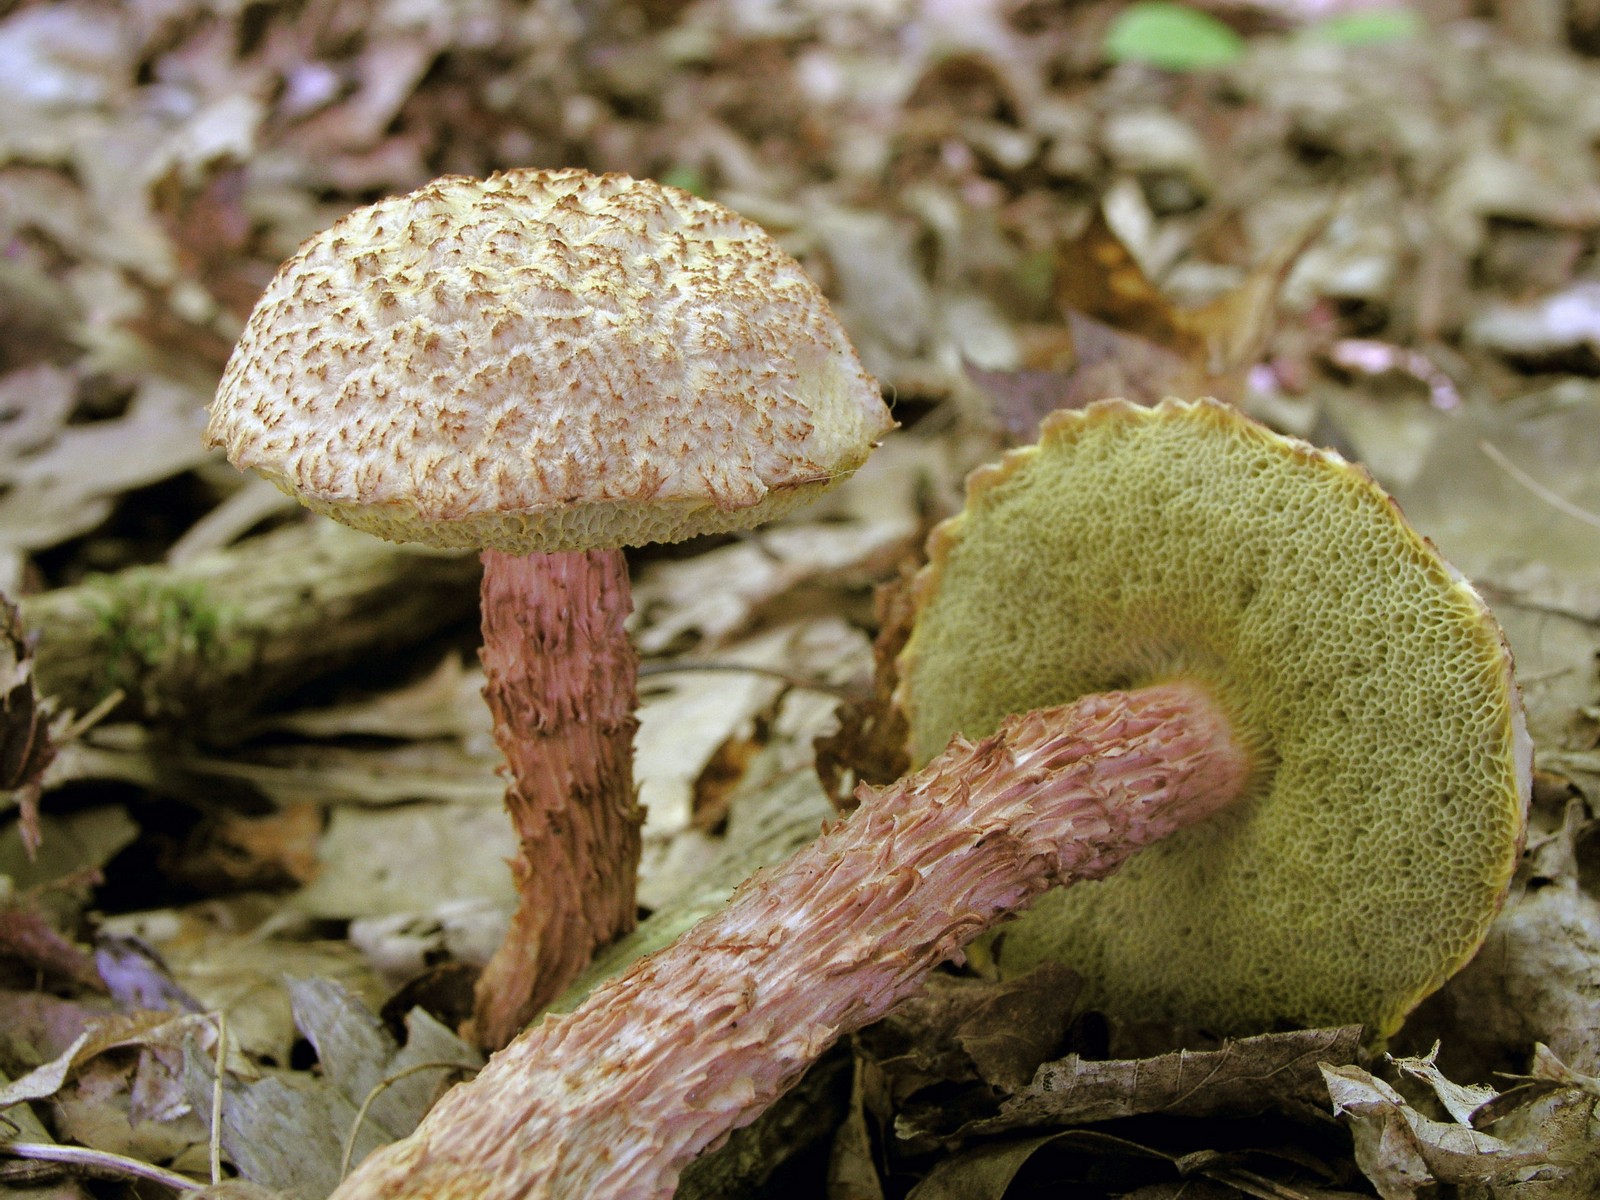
615	1098
561	683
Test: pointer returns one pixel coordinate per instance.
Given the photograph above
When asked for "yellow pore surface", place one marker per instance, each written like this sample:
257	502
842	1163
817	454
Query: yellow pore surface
1380	830
546	360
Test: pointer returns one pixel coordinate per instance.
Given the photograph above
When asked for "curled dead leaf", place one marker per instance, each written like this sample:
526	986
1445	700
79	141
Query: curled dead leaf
26	744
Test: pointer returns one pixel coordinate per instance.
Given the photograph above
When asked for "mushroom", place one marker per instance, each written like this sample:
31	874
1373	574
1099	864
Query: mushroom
549	365
616	1097
1384	816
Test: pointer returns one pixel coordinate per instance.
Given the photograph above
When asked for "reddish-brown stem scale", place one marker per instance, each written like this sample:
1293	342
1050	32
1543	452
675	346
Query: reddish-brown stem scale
616	1097
561	682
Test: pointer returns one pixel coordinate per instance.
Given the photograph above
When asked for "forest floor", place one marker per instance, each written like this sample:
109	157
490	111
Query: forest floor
228	727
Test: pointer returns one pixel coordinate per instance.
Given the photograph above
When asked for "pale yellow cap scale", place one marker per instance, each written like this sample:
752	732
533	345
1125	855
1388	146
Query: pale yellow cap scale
546	360
1379	834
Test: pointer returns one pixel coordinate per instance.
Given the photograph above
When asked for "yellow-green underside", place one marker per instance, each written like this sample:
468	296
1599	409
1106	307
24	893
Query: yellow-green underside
600	525
1382	828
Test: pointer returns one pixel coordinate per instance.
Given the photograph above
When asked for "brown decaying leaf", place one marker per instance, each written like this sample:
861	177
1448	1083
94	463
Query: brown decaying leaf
137	978
870	744
965	1061
26	744
1562	328
142	1086
67	486
1535	978
1019	1026
852	1166
1090	1162
160	156
265	851
1097	275
1122	336
1535	1140
288	1131
1271	1072
28	938
961	1030
1098	360
237	1189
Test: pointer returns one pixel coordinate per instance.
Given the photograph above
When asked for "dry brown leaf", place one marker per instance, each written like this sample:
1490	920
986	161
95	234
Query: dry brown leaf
269	851
27	745
68	486
369	866
442	703
884	296
1511	495
233	954
1536	977
1098	360
137	978
1123	336
987	1172
1406	1154
1558	330
1272	1072
1085	1161
29	940
965	1031
287	1132
35	403
1017	1028
852	1166
711	597
402	947
870	744
1096	274
75	846
144	1030
287	774
1460	1101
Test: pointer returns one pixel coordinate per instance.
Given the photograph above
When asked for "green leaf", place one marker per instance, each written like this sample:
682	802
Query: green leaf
1171	36
1367	28
690	179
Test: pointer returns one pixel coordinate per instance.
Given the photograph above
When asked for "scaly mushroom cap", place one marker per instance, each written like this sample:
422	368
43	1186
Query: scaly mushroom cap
545	360
1379	833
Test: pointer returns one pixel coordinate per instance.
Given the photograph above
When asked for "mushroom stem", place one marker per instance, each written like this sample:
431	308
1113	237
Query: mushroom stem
616	1097
561	682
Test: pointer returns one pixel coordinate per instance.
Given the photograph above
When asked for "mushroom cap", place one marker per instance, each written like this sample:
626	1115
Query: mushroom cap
545	360
1378	834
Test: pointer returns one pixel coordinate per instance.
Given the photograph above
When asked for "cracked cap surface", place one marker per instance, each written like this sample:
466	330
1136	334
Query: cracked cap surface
546	360
1379	835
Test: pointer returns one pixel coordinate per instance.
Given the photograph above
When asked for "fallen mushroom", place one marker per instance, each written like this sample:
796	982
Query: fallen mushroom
1378	834
549	365
613	1099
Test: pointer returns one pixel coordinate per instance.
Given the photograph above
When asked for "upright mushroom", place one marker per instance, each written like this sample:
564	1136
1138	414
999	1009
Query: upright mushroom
549	365
1377	836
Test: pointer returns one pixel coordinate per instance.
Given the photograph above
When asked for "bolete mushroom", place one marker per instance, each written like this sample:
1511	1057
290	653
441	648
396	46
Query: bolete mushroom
614	1098
549	365
1383	818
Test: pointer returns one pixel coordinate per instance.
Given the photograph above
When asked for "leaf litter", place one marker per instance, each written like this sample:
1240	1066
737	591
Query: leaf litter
1383	242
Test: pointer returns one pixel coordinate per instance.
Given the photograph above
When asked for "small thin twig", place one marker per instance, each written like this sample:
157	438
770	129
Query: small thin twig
1252	1184
216	1097
807	683
79	726
99	1162
377	1090
1559	503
